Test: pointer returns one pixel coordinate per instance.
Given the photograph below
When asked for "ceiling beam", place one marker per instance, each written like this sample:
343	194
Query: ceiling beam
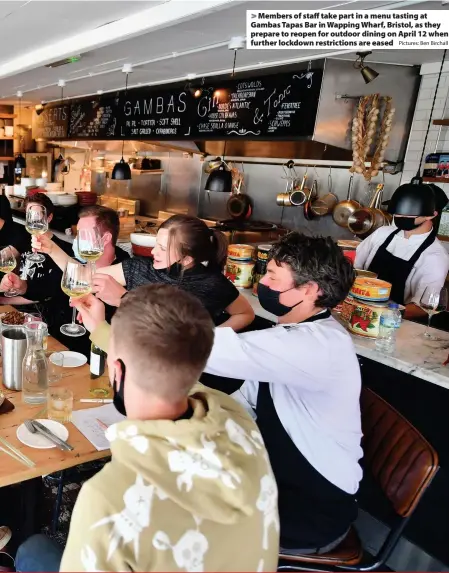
160	16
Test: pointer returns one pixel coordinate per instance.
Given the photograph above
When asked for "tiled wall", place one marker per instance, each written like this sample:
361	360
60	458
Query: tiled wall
438	138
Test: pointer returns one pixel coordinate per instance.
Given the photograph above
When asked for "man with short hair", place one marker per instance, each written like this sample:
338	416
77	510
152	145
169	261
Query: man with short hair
302	381
189	487
41	282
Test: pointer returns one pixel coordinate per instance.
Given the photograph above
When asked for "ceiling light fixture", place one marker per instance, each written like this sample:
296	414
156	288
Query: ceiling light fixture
39	108
236	43
122	170
58	164
20	161
368	73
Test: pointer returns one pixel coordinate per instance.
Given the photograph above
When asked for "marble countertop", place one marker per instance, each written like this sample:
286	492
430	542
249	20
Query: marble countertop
414	354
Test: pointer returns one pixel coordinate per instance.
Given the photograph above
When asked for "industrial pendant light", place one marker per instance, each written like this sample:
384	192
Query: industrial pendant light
122	170
57	165
368	74
20	161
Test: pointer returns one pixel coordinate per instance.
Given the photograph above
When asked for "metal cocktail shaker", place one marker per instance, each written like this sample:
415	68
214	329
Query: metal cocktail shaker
14	345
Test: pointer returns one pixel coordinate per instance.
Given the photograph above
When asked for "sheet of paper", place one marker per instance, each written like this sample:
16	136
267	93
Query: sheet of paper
87	423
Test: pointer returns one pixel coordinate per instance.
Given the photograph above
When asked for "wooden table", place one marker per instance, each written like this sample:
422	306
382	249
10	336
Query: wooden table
51	460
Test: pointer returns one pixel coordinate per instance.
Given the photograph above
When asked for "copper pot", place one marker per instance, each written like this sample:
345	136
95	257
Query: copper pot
367	219
345	209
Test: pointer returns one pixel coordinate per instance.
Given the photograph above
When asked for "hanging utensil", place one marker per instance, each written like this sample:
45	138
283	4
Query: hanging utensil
239	205
365	220
308	212
300	195
344	209
325	204
283	199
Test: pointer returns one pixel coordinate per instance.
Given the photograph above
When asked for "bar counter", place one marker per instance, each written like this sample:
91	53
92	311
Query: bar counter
414	354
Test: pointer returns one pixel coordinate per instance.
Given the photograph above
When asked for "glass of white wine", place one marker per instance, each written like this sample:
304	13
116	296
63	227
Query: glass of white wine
7	265
433	301
90	245
36	224
76	282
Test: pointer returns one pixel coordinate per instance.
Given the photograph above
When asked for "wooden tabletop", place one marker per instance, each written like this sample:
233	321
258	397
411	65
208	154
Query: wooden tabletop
51	460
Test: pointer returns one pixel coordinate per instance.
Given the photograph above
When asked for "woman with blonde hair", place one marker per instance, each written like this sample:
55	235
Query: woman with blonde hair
188	255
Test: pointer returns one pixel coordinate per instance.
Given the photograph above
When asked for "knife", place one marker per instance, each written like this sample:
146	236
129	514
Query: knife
51	436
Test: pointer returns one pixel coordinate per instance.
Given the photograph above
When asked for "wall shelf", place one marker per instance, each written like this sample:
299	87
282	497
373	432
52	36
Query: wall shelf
444	122
6	138
7	115
6	158
436	179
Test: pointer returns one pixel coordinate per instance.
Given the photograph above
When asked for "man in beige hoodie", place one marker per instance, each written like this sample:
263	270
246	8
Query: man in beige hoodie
189	487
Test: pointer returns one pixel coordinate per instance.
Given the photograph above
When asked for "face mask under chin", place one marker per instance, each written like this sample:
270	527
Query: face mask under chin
406	223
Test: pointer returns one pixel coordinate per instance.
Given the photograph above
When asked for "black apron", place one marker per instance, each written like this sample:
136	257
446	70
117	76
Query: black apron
395	270
313	512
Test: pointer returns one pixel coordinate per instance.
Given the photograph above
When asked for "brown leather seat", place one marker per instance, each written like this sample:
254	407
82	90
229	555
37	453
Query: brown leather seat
402	463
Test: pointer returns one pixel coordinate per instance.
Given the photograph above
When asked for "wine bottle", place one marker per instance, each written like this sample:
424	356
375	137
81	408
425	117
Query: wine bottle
97	361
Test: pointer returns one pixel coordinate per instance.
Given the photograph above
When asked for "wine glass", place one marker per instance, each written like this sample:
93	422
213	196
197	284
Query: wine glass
433	301
90	245
76	282
7	265
36	224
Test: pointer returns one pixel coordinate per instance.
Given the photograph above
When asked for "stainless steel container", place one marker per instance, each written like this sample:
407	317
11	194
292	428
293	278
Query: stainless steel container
14	345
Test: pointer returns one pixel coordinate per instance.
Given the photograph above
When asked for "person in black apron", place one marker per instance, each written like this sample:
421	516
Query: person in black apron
417	209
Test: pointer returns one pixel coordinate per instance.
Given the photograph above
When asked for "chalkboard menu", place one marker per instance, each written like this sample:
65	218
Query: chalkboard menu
280	106
52	123
95	118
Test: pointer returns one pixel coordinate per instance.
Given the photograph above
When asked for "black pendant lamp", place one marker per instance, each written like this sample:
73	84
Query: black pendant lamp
122	169
220	179
57	164
20	161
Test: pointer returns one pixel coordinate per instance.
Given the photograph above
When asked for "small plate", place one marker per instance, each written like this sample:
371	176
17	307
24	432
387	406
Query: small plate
71	359
37	440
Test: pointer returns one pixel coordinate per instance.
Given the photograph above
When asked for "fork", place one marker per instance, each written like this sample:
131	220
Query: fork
35	427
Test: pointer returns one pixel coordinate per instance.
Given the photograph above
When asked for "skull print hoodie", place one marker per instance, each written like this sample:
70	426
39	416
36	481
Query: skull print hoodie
197	494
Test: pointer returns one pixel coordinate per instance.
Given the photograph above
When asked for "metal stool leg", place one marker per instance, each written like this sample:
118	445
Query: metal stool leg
57	509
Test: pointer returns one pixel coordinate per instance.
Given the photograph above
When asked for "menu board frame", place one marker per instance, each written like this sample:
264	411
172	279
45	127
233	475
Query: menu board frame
280	106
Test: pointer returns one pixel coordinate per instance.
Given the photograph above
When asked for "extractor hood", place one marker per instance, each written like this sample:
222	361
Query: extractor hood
114	147
331	138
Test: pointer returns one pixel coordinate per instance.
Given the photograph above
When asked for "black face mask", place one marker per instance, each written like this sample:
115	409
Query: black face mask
119	395
269	299
406	223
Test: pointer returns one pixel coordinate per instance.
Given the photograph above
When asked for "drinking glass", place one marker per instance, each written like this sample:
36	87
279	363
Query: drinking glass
433	301
76	282
59	405
90	245
55	366
7	265
36	224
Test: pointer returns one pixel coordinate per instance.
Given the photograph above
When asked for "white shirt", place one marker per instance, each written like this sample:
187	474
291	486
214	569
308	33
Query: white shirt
314	378
429	270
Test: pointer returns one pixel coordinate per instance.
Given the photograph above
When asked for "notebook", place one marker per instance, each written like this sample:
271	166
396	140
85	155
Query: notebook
87	423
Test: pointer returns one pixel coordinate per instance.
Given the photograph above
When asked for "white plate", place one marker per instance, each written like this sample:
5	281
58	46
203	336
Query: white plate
37	440
71	359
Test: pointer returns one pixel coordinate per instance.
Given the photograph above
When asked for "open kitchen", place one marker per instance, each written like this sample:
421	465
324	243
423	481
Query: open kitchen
110	154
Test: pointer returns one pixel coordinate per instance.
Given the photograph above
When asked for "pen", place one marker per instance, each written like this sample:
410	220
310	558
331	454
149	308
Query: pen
102	425
96	400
